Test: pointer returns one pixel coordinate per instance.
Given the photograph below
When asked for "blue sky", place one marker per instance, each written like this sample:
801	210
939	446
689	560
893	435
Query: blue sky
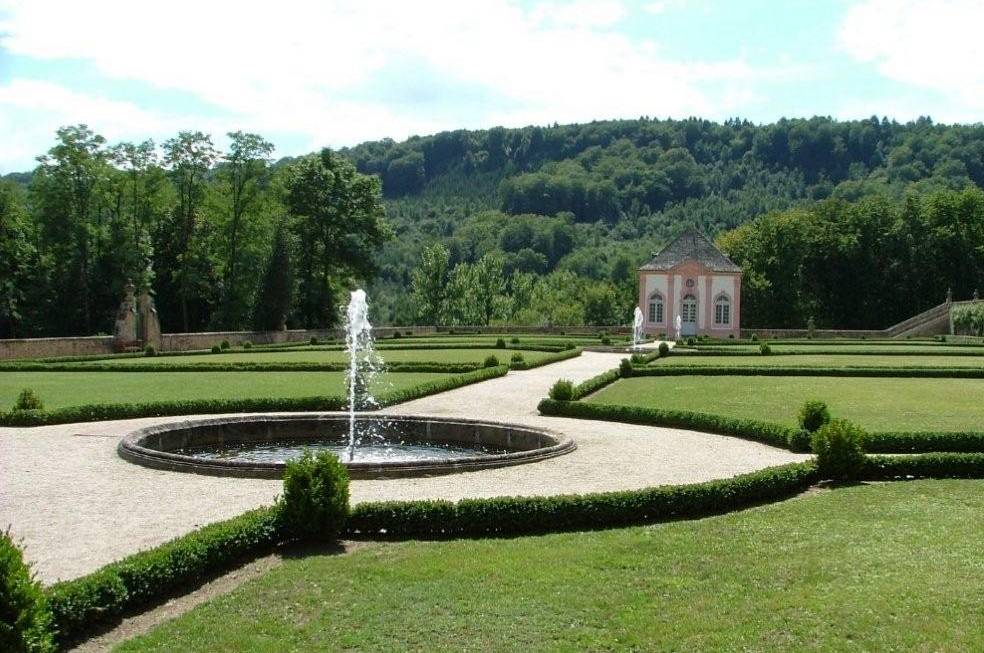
310	73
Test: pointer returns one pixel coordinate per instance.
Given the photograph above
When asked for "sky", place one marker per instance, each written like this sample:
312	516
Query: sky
312	73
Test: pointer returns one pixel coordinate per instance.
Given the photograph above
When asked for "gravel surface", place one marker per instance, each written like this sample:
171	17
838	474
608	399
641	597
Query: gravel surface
74	505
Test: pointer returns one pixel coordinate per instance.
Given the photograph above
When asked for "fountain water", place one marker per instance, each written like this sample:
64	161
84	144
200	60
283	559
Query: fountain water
637	334
363	362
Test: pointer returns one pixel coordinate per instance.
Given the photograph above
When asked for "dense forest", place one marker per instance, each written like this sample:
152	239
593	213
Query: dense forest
856	224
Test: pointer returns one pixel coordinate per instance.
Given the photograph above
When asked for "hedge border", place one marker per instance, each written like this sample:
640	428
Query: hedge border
99	412
546	360
707	351
924	441
244	366
924	465
595	383
788	370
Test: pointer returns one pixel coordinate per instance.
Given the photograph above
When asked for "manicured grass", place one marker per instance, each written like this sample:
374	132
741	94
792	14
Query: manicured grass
883	567
825	360
61	389
877	404
889	349
317	356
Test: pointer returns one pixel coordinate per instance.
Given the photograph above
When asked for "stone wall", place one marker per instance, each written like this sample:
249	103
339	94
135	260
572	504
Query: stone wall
50	347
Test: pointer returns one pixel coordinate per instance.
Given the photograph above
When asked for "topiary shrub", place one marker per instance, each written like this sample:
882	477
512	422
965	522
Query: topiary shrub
637	359
562	390
397	334
664	350
625	368
516	357
150	351
799	441
691	341
605	340
514	340
754	337
490	361
313	340
500	343
315	504
216	349
813	415
838	447
25	620
225	344
28	400
765	349
247	344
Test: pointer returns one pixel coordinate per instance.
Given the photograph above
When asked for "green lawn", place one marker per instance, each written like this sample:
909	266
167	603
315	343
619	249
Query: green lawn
60	389
316	356
825	360
877	404
897	349
887	567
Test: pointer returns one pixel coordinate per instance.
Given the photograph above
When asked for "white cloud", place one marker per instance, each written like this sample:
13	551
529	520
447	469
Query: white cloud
307	67
931	45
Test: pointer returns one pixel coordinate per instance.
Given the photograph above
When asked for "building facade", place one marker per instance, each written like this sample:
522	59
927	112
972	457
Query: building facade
691	278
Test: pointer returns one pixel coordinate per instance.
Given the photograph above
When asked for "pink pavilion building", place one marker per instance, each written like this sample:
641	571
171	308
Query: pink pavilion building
691	278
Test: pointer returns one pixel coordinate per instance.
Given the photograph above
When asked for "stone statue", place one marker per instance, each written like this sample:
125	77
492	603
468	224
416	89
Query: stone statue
679	326
125	329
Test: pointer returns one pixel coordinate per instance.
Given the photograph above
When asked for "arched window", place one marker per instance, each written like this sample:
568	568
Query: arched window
656	308
722	310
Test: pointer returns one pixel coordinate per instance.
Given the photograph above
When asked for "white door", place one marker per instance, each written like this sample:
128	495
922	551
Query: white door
688	315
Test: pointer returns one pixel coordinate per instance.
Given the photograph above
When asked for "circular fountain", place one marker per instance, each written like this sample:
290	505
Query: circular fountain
258	446
371	445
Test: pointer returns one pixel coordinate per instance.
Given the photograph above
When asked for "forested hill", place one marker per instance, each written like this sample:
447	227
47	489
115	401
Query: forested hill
626	186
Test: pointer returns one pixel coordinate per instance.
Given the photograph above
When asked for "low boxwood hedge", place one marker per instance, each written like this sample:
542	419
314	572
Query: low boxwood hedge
790	370
241	366
596	383
924	465
924	441
774	434
100	412
545	360
506	516
81	604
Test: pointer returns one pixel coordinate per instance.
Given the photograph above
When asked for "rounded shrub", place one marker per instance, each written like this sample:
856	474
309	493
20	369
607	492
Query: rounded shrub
813	415
664	350
247	345
500	343
315	503
397	334
516	357
765	349
225	344
450	332
28	400
637	359
150	351
691	341
605	340
514	340
313	340
25	620
838	447
625	368
799	441
491	361
754	337
562	390
216	349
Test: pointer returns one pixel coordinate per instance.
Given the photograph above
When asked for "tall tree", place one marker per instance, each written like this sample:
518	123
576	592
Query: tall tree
274	299
16	254
242	175
428	282
337	215
489	288
188	157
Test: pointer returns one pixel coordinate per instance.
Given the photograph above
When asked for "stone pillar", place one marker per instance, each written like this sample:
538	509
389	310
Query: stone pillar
150	323
125	329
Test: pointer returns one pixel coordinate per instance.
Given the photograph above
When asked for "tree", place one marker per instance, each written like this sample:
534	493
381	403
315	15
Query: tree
489	285
242	175
601	304
16	253
189	157
428	283
275	297
337	215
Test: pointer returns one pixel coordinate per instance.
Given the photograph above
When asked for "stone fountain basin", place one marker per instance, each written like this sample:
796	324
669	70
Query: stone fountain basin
158	446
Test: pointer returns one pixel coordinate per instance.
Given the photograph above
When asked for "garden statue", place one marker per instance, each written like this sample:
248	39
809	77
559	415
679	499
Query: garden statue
637	322
679	326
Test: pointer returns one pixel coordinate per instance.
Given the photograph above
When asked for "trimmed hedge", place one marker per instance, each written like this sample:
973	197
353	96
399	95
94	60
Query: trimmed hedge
924	441
790	370
25	618
146	577
545	360
100	412
505	516
925	465
241	366
596	383
774	434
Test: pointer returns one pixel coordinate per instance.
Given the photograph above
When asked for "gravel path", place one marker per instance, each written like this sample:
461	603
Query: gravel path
74	505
